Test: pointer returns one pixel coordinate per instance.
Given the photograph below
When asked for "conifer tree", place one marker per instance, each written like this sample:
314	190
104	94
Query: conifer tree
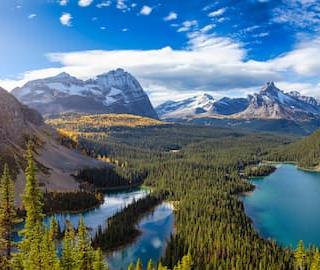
7	214
84	249
150	265
186	262
300	256
315	263
69	259
31	245
139	265
131	266
98	263
161	267
49	258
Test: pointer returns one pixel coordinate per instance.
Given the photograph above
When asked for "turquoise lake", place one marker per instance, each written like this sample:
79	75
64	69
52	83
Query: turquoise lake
285	206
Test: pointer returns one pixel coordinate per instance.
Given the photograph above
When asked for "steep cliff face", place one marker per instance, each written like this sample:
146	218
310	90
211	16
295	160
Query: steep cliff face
116	91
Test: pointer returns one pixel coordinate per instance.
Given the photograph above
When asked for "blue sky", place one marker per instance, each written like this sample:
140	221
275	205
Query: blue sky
174	48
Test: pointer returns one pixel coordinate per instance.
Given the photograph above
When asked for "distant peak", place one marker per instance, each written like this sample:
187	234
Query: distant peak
270	84
62	75
270	87
118	71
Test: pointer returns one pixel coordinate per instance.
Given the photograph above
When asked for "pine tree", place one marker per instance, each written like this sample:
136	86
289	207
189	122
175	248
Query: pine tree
7	214
68	259
150	265
98	263
315	264
139	265
84	249
161	267
186	262
300	256
31	245
49	258
131	266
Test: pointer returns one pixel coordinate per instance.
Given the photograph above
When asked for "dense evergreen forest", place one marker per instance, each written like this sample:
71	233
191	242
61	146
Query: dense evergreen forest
256	171
76	201
204	178
305	152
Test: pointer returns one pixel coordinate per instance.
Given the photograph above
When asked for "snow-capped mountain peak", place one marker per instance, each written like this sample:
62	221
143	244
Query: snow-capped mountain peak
115	91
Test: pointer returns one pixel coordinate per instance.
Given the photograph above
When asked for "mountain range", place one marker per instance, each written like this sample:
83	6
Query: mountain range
116	91
270	103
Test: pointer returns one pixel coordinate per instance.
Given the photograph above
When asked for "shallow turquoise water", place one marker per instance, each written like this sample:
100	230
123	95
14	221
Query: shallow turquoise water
285	206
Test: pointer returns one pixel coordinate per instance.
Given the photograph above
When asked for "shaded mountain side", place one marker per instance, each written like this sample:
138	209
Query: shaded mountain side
55	163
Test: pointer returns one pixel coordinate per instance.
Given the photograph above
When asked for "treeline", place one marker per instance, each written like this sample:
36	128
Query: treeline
260	170
305	152
121	228
75	201
109	177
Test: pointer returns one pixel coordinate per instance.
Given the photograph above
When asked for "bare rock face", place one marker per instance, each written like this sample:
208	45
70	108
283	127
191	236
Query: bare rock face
116	91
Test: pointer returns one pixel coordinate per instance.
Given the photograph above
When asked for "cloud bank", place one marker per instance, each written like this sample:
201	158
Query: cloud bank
210	64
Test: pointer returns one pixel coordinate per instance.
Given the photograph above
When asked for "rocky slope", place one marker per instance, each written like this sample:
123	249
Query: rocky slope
114	92
55	163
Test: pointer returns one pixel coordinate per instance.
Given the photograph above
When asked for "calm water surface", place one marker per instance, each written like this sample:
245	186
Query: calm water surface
285	206
156	228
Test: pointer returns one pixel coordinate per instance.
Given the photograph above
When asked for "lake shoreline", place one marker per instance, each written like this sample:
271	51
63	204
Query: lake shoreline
314	169
274	211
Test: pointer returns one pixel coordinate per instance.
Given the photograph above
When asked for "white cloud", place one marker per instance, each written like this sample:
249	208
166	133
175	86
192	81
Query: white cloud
103	28
146	10
124	29
32	16
121	4
104	4
85	3
207	28
217	12
210	64
171	16
300	14
63	2
187	26
66	19
304	60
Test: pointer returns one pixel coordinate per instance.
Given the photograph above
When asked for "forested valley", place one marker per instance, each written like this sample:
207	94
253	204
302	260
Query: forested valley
200	169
